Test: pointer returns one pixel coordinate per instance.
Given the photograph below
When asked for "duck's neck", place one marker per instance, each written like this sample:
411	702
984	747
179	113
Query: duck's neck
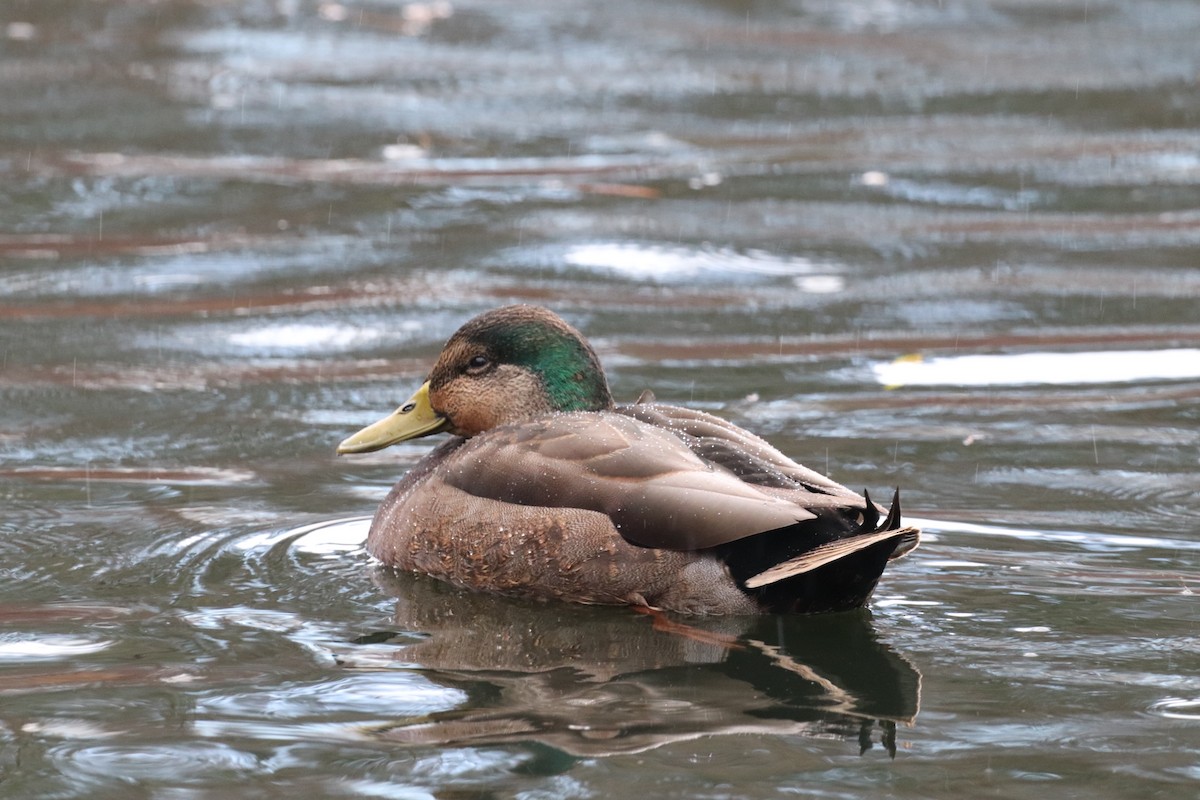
568	368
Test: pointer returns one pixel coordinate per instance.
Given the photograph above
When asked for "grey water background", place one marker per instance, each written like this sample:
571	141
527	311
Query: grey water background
949	246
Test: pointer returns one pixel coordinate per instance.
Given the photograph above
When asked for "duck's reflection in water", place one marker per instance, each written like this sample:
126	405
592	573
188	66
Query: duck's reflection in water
591	682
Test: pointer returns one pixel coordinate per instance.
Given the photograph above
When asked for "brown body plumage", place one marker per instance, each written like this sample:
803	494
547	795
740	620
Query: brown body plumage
550	490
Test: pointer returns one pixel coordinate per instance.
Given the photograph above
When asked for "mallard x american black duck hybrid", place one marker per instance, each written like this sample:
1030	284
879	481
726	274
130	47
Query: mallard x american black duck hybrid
549	489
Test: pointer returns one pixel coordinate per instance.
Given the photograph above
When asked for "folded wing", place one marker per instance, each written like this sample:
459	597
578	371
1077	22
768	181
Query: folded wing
656	491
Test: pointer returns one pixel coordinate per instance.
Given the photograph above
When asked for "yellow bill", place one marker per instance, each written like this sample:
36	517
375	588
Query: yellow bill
412	420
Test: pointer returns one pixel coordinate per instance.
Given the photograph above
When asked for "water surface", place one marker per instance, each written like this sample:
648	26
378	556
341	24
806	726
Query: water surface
948	246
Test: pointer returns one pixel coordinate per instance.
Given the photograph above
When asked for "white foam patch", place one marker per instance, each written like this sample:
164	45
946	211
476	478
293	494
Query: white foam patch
1022	369
333	538
321	538
820	284
931	527
22	648
68	729
1178	708
671	264
299	336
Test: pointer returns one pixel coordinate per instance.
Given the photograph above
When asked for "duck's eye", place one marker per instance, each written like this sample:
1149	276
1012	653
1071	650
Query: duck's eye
478	363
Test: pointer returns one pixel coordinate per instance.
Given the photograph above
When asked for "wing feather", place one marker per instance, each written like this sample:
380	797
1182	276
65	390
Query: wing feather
657	492
749	456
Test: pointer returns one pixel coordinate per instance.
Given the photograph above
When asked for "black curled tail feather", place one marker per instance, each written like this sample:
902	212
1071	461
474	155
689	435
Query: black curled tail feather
893	518
907	538
870	514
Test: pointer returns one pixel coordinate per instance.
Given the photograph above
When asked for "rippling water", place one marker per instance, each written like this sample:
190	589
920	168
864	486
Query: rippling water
949	246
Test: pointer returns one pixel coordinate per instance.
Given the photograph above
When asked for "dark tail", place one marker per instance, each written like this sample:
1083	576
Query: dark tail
839	573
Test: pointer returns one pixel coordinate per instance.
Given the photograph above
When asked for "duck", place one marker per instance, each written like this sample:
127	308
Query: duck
549	489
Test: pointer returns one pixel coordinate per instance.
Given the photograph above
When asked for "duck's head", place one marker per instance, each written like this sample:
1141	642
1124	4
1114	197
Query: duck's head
505	365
